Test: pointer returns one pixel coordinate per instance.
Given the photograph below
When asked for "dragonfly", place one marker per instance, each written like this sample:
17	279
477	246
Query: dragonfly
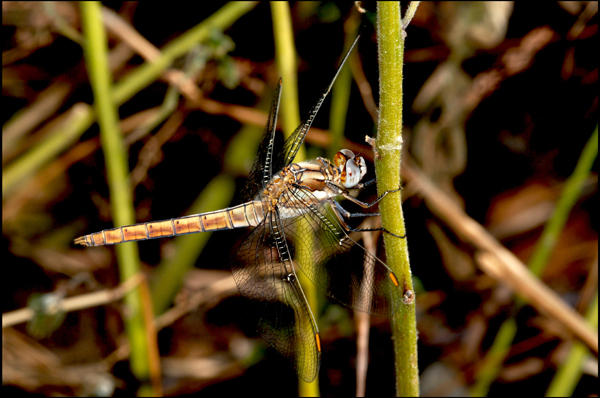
296	225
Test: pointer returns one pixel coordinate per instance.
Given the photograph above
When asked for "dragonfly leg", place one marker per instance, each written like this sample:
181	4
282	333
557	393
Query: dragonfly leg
346	214
365	184
342	213
365	205
378	229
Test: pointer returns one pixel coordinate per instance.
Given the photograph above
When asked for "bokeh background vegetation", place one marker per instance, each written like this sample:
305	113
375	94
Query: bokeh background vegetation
500	100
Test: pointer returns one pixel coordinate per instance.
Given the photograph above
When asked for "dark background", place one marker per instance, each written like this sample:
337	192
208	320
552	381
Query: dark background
503	156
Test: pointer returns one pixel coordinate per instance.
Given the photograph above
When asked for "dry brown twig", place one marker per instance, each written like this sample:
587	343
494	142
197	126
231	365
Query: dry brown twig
497	261
77	303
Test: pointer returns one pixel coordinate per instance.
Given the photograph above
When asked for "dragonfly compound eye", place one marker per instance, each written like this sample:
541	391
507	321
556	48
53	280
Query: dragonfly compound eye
355	171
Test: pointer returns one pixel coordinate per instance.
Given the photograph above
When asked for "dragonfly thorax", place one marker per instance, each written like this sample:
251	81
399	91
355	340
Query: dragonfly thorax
322	178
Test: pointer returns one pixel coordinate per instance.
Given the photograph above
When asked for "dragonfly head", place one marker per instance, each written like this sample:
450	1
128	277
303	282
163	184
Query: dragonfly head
353	167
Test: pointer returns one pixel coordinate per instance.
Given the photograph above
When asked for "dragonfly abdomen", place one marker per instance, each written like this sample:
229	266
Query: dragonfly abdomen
244	215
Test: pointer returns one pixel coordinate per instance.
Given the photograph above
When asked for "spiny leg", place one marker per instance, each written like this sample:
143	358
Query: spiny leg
366	205
340	213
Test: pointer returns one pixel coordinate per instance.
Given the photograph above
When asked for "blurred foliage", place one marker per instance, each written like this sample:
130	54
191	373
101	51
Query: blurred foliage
500	100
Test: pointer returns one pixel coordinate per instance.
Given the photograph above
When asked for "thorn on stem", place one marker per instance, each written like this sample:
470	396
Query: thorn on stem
373	142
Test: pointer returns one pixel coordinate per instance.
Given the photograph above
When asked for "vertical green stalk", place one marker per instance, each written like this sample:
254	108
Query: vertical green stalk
285	56
116	166
390	38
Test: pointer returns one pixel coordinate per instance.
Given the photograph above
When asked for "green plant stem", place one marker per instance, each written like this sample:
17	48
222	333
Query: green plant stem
569	371
390	38
491	365
96	58
410	13
69	128
285	57
567	200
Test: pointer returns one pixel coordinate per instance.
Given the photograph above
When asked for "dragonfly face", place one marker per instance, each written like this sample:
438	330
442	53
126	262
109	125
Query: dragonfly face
284	202
353	167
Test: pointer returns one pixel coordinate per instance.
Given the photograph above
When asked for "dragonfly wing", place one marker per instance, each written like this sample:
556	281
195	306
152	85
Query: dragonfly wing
294	142
262	169
334	262
266	163
278	303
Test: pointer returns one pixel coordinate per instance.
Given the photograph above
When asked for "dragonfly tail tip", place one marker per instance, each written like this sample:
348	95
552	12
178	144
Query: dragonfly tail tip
81	241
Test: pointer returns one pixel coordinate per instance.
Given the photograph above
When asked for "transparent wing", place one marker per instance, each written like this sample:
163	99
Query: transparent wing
262	169
266	162
294	142
278	303
342	268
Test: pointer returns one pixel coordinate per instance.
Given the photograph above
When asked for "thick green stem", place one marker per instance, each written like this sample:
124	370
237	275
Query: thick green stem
390	37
